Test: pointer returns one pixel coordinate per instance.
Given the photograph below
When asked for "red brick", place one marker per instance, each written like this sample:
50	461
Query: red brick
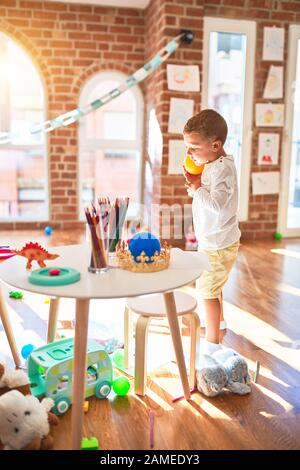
291	6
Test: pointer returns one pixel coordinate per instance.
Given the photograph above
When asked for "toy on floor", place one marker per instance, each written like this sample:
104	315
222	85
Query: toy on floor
121	386
118	358
15	294
48	230
277	236
56	359
256	373
191	167
25	422
13	380
89	443
35	252
27	350
224	369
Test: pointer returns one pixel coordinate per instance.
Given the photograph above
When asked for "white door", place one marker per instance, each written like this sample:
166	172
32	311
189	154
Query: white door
228	77
289	199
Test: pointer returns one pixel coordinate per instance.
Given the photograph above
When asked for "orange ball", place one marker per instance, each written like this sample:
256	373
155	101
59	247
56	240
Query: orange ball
191	167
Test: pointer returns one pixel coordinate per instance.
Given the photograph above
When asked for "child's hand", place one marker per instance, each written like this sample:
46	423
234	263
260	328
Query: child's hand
193	182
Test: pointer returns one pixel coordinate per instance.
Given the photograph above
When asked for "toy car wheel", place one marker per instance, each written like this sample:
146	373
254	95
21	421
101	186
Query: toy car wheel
62	405
103	389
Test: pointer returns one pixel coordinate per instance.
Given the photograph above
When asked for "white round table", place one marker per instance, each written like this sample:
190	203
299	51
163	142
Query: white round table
184	268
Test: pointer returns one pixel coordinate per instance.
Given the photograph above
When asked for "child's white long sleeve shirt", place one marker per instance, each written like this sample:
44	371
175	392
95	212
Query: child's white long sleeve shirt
215	205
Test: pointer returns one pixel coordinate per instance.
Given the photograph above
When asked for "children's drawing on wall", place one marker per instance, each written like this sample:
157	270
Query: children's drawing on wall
273	46
180	111
183	77
274	84
177	153
265	182
269	115
268	147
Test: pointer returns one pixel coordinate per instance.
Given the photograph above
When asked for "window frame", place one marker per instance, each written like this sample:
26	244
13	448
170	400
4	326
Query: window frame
23	147
224	25
294	37
110	144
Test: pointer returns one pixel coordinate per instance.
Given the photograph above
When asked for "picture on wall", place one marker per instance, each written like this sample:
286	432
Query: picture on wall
180	111
274	84
177	152
269	115
183	77
265	182
268	148
273	45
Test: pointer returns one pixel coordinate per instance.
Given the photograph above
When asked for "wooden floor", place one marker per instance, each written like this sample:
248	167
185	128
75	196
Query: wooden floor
262	309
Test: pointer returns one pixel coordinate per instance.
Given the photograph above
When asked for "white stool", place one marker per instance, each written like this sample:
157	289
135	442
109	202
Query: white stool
149	307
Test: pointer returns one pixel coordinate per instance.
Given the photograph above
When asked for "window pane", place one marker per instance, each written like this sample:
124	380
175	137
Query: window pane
116	119
294	189
226	86
22	168
110	173
22	184
21	93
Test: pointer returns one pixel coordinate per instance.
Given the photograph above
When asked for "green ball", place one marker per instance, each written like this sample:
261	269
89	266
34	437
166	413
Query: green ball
277	236
121	386
118	358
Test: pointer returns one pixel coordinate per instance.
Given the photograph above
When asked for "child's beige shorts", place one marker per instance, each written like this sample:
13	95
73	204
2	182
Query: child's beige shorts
211	282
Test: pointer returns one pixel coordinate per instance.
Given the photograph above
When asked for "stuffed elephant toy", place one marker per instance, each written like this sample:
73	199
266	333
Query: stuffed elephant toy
224	369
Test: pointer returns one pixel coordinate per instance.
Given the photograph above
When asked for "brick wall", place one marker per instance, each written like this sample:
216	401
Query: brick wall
69	43
164	20
263	210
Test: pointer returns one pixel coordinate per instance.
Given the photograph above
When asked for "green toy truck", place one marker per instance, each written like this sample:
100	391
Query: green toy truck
50	372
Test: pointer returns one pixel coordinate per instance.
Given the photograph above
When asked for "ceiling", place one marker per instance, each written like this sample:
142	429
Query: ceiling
110	3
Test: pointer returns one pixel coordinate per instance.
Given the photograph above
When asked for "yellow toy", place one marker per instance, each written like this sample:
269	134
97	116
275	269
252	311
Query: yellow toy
191	167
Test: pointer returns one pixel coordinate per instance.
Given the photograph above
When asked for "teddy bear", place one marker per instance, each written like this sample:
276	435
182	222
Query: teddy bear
13	380
25	422
224	369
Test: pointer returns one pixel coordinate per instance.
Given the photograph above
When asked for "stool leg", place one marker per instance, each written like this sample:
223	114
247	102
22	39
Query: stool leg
195	339
8	330
140	371
52	322
128	338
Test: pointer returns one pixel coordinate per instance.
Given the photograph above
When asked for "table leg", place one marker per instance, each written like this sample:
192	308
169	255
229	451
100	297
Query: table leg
79	370
52	322
8	330
177	343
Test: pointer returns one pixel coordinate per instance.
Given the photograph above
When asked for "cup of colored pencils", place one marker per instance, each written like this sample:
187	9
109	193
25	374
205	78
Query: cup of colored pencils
98	224
116	223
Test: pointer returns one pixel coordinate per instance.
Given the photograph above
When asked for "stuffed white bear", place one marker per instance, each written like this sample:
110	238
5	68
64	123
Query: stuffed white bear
23	419
224	369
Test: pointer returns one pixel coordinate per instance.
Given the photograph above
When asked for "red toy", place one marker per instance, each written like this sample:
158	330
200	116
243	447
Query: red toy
35	252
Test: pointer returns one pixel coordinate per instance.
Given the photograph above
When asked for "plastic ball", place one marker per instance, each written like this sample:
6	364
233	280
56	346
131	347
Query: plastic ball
191	167
277	236
118	358
121	386
48	230
27	350
144	241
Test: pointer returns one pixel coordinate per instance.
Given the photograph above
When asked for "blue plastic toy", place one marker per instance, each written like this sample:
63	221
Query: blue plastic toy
27	350
144	241
56	360
48	230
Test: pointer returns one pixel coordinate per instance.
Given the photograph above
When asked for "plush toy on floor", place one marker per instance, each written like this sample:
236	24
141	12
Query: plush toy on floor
25	422
13	380
224	369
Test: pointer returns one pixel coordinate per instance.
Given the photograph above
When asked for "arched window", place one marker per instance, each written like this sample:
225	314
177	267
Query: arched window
23	170
110	143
